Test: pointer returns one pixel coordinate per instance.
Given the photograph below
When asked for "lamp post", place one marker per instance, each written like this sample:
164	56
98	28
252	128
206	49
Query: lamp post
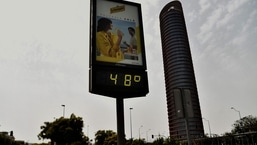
63	110
237	111
139	132
130	123
88	131
147	134
208	125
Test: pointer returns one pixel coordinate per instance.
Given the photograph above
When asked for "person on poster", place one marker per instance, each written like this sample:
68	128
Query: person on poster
132	46
107	43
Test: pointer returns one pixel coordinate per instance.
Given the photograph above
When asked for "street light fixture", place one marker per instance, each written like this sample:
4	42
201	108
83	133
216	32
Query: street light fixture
208	125
237	111
63	110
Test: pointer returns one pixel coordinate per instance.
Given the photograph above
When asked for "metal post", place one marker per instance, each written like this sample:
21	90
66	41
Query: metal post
130	123
147	134
63	110
120	121
139	132
208	125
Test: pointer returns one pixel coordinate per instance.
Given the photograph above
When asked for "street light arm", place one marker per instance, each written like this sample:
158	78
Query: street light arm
237	111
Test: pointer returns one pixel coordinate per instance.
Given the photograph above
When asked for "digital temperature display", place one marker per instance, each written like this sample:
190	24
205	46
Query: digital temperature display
119	83
117	54
126	79
119	79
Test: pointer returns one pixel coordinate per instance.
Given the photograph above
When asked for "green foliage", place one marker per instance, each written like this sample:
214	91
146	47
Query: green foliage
138	142
105	137
246	124
170	141
159	141
165	141
6	140
64	131
40	144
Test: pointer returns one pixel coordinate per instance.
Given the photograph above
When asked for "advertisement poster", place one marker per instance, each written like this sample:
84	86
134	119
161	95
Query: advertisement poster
118	33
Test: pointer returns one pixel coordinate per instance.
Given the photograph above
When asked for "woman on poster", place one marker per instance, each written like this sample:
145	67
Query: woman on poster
107	43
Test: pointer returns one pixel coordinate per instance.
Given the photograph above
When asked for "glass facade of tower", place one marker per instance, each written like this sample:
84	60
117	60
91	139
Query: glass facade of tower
185	119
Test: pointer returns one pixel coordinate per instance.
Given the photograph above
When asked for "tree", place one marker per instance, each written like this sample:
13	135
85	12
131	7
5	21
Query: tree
159	141
64	131
105	137
136	142
170	141
246	124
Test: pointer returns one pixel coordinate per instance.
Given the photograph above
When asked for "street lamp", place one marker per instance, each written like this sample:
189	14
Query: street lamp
130	123
139	131
208	125
63	110
147	134
88	131
237	111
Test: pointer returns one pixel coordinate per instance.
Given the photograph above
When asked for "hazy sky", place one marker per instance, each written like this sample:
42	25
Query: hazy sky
44	63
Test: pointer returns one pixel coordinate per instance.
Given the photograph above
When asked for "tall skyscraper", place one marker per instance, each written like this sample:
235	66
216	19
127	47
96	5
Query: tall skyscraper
185	119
